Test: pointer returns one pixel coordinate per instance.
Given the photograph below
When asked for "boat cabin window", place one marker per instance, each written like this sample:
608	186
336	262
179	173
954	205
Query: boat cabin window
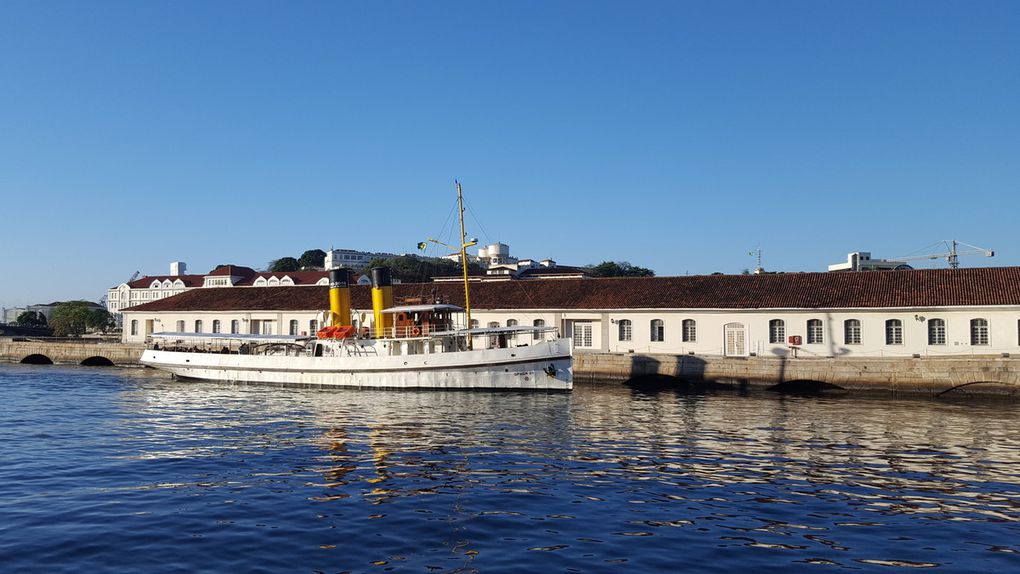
317	352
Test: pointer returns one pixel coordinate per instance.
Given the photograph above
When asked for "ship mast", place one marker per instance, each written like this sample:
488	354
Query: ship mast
464	244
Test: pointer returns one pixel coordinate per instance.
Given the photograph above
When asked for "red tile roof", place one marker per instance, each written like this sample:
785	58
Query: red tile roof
232	271
145	282
908	288
299	277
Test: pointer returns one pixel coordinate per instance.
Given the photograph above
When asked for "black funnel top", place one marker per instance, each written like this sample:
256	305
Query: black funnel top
381	277
339	278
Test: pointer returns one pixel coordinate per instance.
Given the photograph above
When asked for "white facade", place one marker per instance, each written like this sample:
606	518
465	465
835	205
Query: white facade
862	261
831	333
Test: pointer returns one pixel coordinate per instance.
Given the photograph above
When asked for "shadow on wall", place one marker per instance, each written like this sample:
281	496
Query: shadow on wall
806	388
688	373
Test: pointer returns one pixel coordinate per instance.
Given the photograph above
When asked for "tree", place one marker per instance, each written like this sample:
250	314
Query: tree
618	269
312	258
72	318
409	269
284	264
31	319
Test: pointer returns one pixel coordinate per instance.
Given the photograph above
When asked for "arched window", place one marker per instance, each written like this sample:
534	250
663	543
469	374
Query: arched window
852	332
626	330
198	325
180	326
777	331
936	332
134	326
293	327
511	323
538	334
234	326
814	331
658	330
474	323
216	326
313	327
689	330
979	331
894	332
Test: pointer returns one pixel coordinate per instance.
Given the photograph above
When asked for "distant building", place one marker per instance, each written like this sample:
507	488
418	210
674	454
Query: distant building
155	287
352	258
862	261
495	258
10	316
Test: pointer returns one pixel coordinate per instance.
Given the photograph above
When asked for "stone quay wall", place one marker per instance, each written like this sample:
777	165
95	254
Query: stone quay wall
69	352
992	374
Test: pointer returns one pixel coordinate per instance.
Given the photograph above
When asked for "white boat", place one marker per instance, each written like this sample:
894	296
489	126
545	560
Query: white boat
439	359
409	346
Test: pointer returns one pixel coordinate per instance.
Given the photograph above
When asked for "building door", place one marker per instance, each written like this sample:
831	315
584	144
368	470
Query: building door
736	340
148	327
582	334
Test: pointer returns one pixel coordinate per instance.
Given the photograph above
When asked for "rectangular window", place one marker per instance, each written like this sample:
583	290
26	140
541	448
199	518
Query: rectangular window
814	331
777	331
690	331
893	332
979	332
936	332
626	330
658	333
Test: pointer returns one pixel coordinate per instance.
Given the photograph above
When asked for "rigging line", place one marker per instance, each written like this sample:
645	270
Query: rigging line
446	229
471	210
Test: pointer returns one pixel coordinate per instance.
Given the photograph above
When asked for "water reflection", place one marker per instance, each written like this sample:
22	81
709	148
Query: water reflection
590	479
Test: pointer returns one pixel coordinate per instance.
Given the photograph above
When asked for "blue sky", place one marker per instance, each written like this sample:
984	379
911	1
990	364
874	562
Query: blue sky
675	135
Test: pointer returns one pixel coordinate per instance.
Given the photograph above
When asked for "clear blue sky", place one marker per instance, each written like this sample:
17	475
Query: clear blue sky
674	135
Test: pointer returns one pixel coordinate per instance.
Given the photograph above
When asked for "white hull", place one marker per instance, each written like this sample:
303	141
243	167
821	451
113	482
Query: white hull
545	365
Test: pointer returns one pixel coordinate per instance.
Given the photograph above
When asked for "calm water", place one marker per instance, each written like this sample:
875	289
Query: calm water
108	470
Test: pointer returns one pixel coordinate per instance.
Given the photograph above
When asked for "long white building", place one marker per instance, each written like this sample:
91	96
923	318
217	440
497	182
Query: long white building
932	312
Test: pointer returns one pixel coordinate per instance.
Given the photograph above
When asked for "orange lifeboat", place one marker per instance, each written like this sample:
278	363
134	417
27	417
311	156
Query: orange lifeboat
337	332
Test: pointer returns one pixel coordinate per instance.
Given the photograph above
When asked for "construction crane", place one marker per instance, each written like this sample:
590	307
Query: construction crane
953	254
135	276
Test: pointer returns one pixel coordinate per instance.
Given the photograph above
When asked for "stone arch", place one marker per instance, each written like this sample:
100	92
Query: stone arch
982	388
37	359
97	361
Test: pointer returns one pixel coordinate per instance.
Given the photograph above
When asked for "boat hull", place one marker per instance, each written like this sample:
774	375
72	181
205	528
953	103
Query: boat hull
543	366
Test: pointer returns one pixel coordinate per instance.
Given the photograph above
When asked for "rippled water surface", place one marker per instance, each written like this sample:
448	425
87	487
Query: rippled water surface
109	470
